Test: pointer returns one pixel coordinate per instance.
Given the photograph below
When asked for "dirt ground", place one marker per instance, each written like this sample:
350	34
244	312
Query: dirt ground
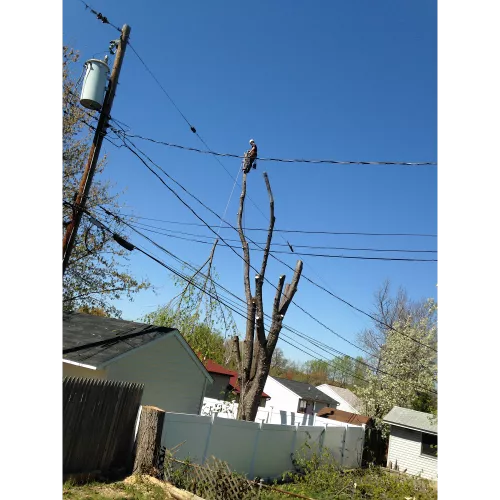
132	488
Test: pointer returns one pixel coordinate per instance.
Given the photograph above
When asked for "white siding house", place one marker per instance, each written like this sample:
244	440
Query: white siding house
174	378
348	401
412	442
292	396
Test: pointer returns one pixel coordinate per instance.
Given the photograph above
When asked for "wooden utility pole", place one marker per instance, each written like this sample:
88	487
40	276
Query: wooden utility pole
88	174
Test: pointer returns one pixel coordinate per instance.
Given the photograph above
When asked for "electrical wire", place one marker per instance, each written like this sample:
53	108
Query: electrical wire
359	257
182	276
273	256
336	233
281	160
171	232
99	16
215	283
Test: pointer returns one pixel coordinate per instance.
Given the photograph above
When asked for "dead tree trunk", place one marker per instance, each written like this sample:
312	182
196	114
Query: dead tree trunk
148	442
255	361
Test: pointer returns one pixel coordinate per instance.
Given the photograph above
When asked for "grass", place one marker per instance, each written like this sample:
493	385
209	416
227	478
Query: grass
324	480
132	488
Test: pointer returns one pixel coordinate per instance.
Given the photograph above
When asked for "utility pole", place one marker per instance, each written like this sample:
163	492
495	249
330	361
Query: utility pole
88	174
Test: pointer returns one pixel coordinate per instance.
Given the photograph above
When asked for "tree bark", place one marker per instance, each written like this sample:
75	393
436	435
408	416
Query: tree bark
254	365
148	440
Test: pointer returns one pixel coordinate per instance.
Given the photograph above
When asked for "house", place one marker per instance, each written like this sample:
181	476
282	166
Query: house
225	386
300	397
105	348
345	417
412	442
348	401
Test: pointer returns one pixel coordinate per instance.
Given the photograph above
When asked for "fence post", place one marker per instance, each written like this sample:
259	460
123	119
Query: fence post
212	420
294	441
252	463
343	447
322	438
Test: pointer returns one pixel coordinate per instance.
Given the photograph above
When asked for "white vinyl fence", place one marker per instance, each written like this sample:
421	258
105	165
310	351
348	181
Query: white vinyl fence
267	415
257	449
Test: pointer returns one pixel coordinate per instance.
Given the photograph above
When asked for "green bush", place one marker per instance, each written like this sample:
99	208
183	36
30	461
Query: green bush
323	479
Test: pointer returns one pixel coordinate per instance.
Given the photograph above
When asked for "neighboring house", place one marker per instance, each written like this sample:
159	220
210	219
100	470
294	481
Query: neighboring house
175	379
348	401
300	397
225	386
412	442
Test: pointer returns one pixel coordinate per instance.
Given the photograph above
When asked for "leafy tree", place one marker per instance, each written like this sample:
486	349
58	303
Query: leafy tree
97	272
407	373
203	339
279	363
96	311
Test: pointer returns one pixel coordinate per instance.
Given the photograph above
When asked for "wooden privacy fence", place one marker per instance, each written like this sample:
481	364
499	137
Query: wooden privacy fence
99	419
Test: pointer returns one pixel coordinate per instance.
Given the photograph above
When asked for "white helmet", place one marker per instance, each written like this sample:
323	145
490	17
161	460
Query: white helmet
251	141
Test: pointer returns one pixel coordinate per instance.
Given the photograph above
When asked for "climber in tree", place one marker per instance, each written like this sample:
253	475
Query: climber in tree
250	157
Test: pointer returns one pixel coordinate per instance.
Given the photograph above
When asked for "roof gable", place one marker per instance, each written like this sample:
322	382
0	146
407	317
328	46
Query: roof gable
306	391
348	396
111	339
411	419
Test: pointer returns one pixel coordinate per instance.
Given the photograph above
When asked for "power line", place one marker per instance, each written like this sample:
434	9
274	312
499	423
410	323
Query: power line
99	16
182	276
337	233
273	256
357	257
282	160
214	282
169	231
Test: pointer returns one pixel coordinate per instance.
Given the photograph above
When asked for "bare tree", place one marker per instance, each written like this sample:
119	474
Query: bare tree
254	362
389	310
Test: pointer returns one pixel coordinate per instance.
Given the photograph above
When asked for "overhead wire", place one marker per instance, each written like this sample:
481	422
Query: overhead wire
183	276
282	160
170	232
106	21
286	327
125	141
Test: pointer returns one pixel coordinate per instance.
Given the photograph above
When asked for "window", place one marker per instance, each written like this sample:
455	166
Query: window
429	444
302	406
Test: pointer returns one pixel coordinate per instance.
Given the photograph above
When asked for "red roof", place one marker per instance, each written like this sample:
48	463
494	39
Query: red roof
213	367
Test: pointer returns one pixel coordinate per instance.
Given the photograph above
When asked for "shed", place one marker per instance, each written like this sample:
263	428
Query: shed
412	442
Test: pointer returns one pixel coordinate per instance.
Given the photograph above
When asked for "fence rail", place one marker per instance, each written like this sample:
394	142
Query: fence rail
99	417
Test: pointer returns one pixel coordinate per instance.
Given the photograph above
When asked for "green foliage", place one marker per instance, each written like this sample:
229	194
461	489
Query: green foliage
205	341
97	272
323	479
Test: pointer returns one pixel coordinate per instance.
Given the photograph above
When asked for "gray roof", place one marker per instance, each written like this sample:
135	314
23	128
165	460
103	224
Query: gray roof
307	391
81	329
411	419
348	396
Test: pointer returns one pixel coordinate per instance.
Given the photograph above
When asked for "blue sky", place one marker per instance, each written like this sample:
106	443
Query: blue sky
330	79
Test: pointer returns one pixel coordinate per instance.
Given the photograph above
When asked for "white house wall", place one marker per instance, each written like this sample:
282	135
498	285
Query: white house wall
282	399
343	404
405	449
173	382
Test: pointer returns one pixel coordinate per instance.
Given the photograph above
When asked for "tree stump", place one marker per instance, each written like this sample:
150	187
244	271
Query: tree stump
148	441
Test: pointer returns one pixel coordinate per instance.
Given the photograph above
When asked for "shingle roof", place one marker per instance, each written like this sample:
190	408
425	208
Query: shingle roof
306	391
80	329
411	419
348	396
